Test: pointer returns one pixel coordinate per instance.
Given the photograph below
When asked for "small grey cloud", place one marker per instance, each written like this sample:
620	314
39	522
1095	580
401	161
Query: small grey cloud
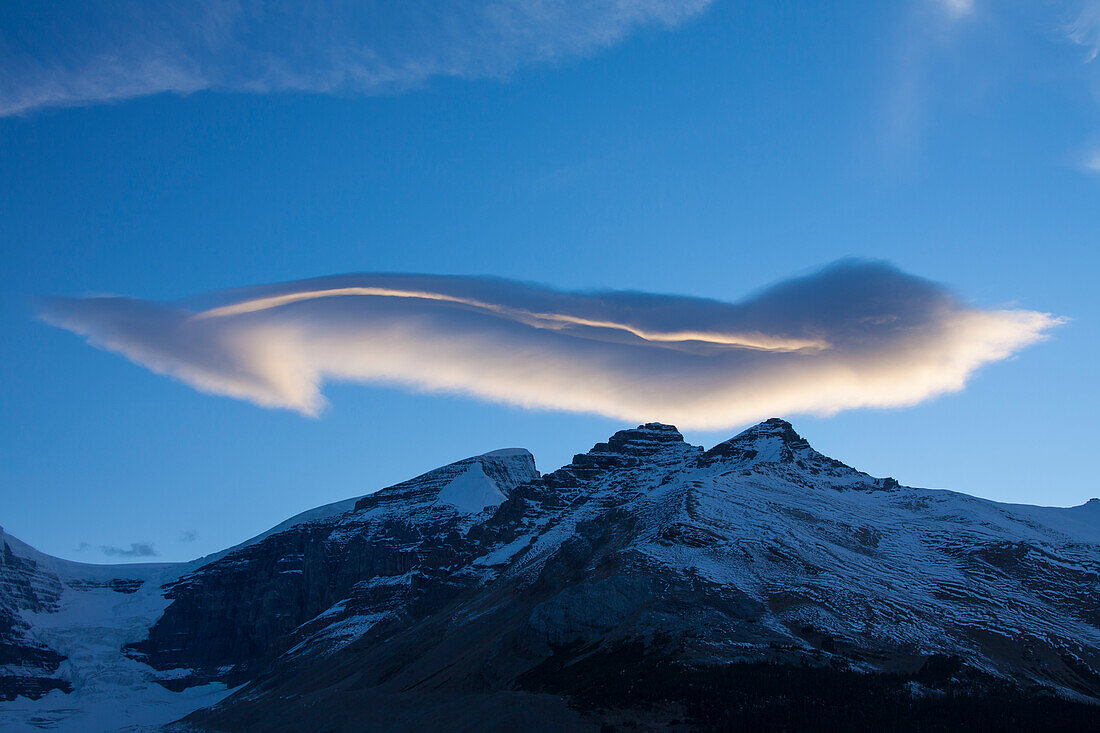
136	549
853	335
189	536
79	53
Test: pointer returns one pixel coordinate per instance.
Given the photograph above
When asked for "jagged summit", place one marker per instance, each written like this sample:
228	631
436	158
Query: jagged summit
772	427
652	434
649	443
775	432
775	436
643	439
773	440
773	448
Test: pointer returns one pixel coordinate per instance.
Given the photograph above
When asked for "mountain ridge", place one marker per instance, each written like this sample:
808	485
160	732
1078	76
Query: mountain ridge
759	550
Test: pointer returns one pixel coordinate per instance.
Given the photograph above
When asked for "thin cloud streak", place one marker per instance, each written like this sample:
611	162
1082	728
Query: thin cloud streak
59	54
854	335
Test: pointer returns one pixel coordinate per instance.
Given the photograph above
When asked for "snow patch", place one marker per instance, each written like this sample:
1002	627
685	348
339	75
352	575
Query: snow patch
472	491
503	554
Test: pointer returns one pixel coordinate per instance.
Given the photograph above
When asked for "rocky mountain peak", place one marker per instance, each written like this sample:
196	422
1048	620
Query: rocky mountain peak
774	448
648	443
773	428
772	441
648	437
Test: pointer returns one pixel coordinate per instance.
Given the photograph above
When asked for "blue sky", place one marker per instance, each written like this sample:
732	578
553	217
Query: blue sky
710	153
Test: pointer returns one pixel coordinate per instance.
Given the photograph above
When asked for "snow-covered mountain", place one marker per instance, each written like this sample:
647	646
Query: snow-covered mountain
649	582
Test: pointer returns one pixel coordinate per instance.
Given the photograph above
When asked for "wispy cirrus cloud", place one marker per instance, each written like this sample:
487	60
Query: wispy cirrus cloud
929	32
929	38
856	334
1084	29
1091	161
64	53
956	8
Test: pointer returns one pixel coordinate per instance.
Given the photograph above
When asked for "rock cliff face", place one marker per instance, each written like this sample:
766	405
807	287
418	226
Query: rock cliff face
648	582
384	559
27	666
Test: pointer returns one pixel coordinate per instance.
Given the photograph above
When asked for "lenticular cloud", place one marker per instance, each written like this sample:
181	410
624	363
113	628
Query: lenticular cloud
855	334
